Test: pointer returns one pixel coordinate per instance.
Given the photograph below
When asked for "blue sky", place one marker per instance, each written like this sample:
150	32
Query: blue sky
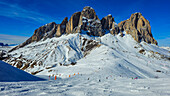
22	17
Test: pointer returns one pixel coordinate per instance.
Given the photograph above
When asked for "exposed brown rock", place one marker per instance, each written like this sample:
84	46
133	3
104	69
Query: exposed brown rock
25	66
89	13
138	27
89	22
115	29
73	22
33	73
40	32
19	64
62	27
107	22
121	34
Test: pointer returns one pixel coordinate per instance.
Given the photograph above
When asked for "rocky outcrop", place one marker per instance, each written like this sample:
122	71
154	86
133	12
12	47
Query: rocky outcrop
107	22
89	22
3	54
138	27
115	29
89	13
43	32
73	23
62	27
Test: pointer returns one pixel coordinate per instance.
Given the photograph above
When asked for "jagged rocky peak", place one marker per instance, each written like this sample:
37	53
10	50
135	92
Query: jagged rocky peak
89	13
138	27
61	28
46	31
89	22
73	23
107	22
115	29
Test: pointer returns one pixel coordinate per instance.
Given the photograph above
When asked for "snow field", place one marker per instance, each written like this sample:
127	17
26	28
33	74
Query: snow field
105	70
81	86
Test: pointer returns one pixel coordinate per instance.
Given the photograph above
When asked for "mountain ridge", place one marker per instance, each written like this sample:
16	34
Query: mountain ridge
87	21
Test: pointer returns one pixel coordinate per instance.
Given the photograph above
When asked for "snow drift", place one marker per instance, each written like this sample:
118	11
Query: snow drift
10	73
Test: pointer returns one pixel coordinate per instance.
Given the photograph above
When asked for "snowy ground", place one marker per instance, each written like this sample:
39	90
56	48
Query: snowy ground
167	48
114	55
106	70
81	86
6	48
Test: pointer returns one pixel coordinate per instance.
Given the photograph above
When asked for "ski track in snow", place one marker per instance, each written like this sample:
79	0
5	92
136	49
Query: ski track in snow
81	86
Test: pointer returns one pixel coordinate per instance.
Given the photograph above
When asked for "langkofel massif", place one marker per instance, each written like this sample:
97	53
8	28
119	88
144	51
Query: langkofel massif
85	44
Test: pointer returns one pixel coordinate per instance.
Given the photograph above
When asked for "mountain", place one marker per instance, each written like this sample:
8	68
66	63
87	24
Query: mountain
10	73
87	45
2	44
88	22
6	45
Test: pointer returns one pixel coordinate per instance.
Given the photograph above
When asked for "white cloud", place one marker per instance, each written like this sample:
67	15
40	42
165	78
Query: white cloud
164	42
12	39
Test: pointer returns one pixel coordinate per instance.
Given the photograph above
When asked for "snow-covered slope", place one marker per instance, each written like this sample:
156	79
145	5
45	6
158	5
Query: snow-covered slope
167	48
10	73
86	86
79	53
6	48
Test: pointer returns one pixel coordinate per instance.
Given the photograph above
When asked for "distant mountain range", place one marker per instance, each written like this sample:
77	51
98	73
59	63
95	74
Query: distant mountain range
2	44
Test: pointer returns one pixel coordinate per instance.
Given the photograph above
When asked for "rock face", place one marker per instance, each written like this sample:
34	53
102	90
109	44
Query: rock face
107	22
89	13
62	27
90	23
138	27
46	31
87	22
115	28
73	23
